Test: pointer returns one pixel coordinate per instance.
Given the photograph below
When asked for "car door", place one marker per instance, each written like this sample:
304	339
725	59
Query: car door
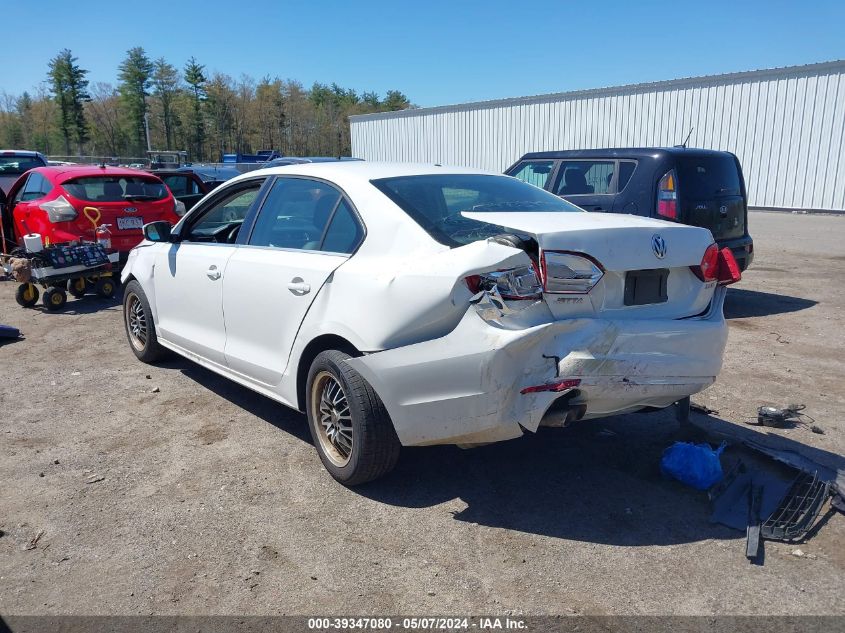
189	274
588	183
304	230
184	188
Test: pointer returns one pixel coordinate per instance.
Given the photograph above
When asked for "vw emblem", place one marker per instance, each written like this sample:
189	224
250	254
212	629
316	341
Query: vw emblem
130	209
723	211
658	245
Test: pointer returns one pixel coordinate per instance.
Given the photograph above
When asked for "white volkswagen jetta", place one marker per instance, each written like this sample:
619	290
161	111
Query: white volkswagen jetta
418	304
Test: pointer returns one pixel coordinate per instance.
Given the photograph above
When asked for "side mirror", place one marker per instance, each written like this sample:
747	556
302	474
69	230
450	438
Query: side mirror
160	231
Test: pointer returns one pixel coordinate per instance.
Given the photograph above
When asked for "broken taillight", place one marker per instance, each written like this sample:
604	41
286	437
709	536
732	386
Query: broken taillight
667	196
718	265
708	269
565	272
513	283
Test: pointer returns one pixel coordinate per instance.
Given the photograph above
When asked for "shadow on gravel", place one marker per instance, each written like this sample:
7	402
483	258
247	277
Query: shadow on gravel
596	482
741	303
89	304
280	416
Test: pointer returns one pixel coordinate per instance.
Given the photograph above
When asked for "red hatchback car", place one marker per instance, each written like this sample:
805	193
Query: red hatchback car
66	204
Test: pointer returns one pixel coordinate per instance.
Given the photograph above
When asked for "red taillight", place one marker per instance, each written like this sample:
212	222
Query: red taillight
667	196
718	265
708	269
559	385
729	272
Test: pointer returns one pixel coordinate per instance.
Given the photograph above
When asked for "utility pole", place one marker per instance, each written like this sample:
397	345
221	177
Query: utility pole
147	131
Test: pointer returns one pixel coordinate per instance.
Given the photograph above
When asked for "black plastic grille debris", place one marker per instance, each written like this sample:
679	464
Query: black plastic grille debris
798	509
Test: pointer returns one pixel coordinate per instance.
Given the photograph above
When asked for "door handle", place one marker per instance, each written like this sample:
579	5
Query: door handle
213	273
298	286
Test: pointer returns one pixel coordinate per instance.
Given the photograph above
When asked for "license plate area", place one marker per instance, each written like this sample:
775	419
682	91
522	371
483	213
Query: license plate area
130	223
645	287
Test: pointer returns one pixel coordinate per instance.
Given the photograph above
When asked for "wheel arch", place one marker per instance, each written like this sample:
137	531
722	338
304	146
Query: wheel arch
315	346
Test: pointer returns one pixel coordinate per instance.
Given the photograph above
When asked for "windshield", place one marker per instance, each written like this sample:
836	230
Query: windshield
13	164
436	202
115	189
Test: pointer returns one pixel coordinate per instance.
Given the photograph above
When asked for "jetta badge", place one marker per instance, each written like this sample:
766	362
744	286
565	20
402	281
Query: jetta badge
130	209
658	245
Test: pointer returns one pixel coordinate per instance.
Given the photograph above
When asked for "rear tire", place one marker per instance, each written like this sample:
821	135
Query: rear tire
54	298
105	287
350	426
140	329
27	295
77	287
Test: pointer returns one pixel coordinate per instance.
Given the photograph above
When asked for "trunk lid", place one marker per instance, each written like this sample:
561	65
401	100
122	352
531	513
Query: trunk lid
618	242
645	262
711	194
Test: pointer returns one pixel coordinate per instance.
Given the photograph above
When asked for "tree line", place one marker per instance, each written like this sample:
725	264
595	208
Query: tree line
187	108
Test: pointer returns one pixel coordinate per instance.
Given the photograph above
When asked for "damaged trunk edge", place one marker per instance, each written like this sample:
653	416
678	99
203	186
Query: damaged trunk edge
468	386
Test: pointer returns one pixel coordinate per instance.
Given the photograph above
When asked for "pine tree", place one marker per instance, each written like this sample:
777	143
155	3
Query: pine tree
135	76
69	88
195	78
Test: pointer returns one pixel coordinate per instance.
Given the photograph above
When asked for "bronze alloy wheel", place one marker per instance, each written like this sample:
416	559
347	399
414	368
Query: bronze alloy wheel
136	322
330	409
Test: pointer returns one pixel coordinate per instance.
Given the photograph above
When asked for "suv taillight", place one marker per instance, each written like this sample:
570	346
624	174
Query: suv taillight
667	196
564	272
718	265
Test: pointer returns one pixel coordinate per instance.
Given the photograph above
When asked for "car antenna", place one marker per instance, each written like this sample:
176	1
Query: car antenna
686	140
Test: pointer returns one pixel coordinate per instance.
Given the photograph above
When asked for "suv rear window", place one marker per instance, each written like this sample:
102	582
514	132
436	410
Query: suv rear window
115	188
436	201
16	164
706	177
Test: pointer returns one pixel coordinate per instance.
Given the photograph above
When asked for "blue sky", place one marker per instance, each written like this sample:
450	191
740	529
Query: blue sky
437	52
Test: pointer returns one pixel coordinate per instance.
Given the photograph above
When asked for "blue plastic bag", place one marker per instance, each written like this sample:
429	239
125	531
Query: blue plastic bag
696	465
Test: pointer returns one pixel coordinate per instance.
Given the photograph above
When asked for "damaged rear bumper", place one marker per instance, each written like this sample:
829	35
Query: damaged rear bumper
464	388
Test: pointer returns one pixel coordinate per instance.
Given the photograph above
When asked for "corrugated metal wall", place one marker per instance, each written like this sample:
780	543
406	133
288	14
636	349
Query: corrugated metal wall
787	126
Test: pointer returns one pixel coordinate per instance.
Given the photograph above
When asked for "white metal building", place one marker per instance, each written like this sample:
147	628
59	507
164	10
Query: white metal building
786	125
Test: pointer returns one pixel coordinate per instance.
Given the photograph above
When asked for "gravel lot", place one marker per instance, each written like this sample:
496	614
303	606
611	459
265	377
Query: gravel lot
207	498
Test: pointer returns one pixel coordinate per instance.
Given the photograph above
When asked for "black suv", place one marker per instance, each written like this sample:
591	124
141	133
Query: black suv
693	186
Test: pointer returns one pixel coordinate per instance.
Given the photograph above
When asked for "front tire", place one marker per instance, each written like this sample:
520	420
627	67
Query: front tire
349	424
140	329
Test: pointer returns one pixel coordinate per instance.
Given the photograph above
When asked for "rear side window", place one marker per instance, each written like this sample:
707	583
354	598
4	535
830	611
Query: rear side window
708	176
12	164
344	232
535	172
115	188
626	170
580	177
181	185
37	186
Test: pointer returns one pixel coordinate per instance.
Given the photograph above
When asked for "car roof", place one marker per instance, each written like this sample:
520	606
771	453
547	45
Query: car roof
66	172
20	152
363	170
626	152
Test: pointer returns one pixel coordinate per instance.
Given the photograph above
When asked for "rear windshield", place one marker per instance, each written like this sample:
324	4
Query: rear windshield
708	176
115	188
435	202
12	164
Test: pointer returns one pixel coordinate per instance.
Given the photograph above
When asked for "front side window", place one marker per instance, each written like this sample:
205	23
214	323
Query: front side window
115	188
580	177
221	221
437	202
295	214
535	172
